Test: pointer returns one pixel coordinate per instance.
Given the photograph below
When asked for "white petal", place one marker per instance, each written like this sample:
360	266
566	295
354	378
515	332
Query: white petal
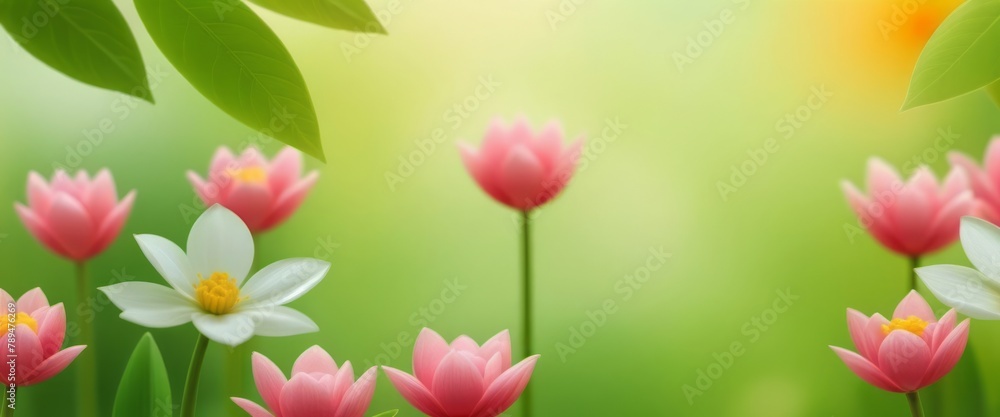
284	321
220	242
228	329
283	281
170	261
151	305
963	289
981	241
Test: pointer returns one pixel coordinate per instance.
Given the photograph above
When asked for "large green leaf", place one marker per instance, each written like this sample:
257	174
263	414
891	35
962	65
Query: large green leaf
390	413
960	393
352	15
960	57
234	59
145	388
87	40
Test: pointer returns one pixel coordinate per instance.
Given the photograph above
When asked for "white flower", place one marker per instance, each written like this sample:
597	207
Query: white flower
973	292
208	284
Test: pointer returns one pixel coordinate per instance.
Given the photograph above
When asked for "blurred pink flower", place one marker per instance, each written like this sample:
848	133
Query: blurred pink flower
263	193
462	379
912	218
907	353
76	218
985	180
38	338
318	388
519	168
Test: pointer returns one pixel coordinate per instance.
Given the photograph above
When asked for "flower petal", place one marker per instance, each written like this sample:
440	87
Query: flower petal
32	300
857	324
279	321
981	241
284	281
866	370
315	360
502	393
359	396
428	351
458	384
112	224
964	289
220	242
229	329
71	225
101	197
304	396
521	177
39	228
251	407
151	305
170	261
269	380
904	357
53	365
250	201
498	344
286	167
289	200
948	353
414	392
52	330
914	305
39	193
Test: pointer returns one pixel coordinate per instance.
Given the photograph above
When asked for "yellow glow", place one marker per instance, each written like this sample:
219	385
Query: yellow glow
912	324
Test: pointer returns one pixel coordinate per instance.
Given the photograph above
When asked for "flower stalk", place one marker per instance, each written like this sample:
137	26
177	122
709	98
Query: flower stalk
528	300
914	400
193	376
87	375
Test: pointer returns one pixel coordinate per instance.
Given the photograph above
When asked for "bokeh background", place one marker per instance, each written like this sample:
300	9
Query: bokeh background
651	185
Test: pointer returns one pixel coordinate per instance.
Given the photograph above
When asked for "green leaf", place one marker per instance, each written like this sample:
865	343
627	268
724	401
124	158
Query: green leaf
960	57
234	59
145	388
87	40
390	413
959	393
993	90
352	15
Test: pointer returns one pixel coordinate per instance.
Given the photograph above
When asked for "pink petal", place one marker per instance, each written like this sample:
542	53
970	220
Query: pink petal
914	305
458	384
982	186
520	131
208	192
494	368
32	300
548	146
991	160
289	201
414	392
944	328
52	330
911	214
72	226
428	351
944	228
62	183
505	390
857	324
269	380
904	357
882	178
304	396
113	224
957	182
39	193
102	196
252	157
498	344
948	354
866	370
286	167
465	343
872	213
5	298
40	229
250	201
53	365
222	161
924	181
29	353
484	176
315	360
359	396
521	176
251	407
495	147
340	383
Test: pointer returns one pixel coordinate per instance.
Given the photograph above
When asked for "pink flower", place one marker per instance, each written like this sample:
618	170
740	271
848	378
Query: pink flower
260	192
907	353
912	218
38	337
519	168
318	388
462	379
76	218
985	181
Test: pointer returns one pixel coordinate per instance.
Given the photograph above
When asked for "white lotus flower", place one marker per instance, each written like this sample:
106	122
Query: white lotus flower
973	292
208	284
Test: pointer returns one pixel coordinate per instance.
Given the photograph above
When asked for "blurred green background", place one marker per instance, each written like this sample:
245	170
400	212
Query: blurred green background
652	186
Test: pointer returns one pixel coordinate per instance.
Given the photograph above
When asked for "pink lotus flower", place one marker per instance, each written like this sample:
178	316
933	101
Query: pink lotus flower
262	193
519	168
76	218
462	379
38	337
907	353
985	181
318	388
912	218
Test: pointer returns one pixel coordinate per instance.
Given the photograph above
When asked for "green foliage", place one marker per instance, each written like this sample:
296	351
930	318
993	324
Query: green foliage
390	413
354	15
144	390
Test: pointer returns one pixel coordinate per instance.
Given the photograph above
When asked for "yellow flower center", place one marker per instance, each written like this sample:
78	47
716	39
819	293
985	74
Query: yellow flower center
912	324
25	319
251	174
218	294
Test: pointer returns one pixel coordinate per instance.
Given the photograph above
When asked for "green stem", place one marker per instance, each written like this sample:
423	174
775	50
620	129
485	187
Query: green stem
915	408
194	373
238	356
87	362
528	301
914	263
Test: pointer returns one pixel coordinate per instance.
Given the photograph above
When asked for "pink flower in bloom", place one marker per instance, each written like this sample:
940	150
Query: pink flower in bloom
263	193
318	388
985	181
907	353
77	217
462	379
519	168
38	337
912	218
